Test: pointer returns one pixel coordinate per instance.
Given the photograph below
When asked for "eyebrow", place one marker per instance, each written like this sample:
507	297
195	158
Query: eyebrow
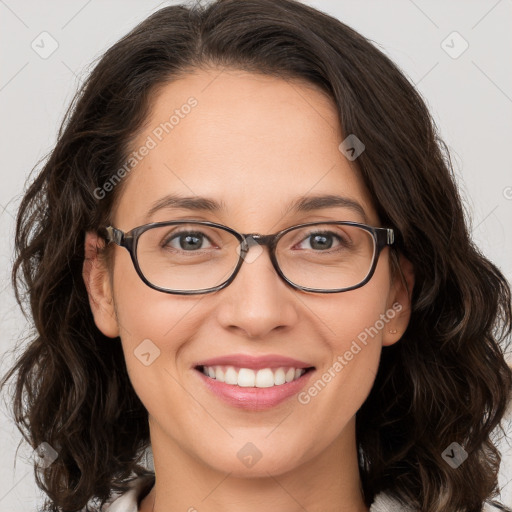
319	202
195	203
305	204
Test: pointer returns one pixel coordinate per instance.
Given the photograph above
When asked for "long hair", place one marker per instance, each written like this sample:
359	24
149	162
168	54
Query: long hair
446	381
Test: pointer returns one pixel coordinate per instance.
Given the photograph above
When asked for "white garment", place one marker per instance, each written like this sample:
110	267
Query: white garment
127	502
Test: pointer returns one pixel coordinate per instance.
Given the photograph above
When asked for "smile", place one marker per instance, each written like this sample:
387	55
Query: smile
253	389
250	378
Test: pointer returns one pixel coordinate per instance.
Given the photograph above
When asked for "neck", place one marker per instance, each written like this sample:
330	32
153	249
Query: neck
327	482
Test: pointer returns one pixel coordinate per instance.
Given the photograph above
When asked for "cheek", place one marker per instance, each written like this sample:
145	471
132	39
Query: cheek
359	316
148	320
356	334
340	387
353	325
143	312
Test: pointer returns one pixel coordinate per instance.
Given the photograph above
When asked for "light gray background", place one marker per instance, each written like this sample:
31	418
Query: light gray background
470	97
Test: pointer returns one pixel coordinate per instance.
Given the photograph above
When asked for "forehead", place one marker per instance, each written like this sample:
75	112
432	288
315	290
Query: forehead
253	142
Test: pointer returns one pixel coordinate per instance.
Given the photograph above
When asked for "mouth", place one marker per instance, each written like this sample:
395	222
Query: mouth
254	384
253	378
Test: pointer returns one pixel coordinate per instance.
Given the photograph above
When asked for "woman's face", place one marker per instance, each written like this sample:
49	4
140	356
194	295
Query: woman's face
254	144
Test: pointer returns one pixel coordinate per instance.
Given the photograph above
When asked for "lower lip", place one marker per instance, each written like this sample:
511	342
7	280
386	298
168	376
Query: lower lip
254	398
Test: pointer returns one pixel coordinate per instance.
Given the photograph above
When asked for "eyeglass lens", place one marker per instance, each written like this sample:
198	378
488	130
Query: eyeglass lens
193	256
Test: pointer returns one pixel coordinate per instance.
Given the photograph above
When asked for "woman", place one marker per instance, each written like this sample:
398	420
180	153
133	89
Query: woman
351	362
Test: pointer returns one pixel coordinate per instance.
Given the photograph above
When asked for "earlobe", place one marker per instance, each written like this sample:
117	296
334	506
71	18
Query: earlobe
97	282
399	302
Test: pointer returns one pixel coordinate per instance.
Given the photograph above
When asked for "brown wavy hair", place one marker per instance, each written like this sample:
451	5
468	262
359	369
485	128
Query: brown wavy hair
445	381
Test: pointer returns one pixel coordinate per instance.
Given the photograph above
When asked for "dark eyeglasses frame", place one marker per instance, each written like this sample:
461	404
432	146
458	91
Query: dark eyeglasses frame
129	240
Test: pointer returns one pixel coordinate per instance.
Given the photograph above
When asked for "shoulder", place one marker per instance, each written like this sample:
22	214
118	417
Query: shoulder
129	500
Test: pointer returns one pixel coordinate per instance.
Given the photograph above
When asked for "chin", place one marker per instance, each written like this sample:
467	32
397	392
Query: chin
252	460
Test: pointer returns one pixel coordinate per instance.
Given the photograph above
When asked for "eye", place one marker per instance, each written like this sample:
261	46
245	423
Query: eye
187	241
324	240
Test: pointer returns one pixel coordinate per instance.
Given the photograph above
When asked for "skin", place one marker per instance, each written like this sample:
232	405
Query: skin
254	142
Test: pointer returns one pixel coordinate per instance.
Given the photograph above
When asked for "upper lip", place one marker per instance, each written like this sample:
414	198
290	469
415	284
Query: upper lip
254	362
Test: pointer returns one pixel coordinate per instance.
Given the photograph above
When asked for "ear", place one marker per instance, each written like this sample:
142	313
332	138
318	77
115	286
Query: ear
97	281
399	301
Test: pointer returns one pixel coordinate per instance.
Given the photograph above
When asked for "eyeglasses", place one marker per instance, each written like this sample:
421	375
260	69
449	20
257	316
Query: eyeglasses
192	257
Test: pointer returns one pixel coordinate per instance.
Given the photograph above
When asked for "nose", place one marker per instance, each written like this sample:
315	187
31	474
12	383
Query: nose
257	301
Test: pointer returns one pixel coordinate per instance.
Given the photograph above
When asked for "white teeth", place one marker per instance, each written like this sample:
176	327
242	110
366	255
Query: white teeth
219	375
290	374
279	377
249	378
231	376
246	378
264	378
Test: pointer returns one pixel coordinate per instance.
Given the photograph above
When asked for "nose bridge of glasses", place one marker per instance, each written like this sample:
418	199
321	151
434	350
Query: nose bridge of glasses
260	239
251	239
